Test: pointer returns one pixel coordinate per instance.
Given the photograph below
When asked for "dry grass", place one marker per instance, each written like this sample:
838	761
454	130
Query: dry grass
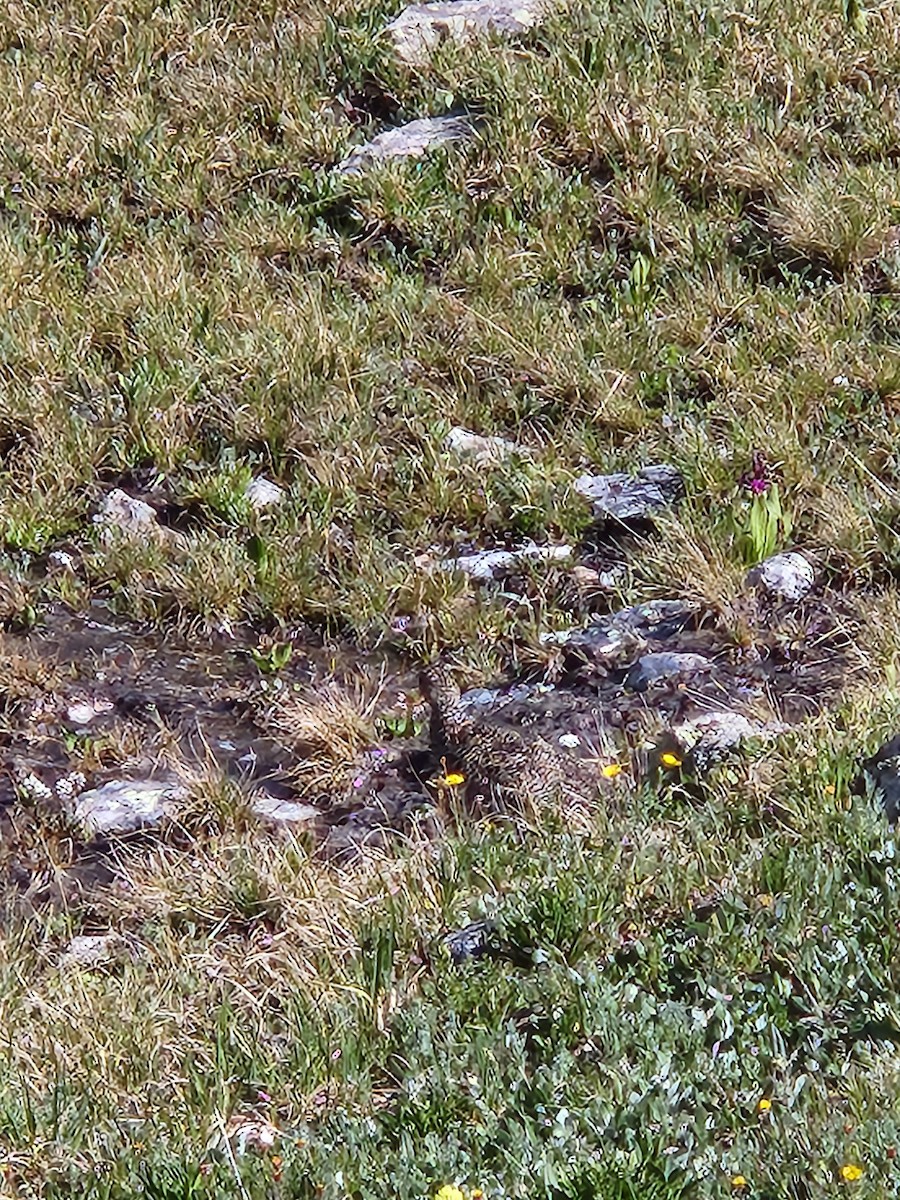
328	726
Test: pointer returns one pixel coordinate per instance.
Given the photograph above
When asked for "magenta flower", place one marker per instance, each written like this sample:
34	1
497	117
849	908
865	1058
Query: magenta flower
757	480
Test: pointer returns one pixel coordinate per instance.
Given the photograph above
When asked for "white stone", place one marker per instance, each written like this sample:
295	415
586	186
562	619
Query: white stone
128	514
283	812
90	951
787	576
262	493
482	450
127	805
569	740
61	560
723	730
421	28
485	565
406	141
658	667
82	712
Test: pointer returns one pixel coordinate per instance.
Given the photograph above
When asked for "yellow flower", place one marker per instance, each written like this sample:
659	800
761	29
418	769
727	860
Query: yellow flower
452	779
764	1105
611	770
670	760
449	1192
850	1172
738	1181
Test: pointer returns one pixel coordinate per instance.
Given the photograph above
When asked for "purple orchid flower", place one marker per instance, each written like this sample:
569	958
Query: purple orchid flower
757	480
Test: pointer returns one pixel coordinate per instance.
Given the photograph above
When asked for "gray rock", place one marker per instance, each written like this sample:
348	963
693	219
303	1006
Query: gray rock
262	493
91	951
641	623
656	668
481	450
881	774
486	565
622	497
481	939
722	729
473	941
488	699
477	698
61	560
786	576
127	805
421	28
406	141
283	812
128	515
711	736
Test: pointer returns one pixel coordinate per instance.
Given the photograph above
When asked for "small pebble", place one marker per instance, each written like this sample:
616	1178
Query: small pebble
482	450
262	493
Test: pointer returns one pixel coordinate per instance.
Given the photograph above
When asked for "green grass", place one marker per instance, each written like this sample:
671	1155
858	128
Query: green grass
672	240
684	967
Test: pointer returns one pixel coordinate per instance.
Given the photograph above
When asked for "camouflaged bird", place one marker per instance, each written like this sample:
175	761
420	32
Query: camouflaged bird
510	771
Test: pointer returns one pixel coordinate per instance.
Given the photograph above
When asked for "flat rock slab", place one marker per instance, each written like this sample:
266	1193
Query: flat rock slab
622	497
786	576
406	141
284	812
479	700
128	805
486	565
656	620
421	28
659	668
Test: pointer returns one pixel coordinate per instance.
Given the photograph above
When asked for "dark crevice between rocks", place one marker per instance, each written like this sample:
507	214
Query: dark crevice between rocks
367	101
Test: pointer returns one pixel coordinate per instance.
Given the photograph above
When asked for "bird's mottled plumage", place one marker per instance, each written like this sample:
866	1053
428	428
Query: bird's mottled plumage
513	772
